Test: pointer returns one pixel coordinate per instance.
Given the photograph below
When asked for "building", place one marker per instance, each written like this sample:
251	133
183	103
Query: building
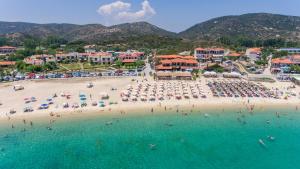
130	56
210	54
6	50
90	48
174	63
291	51
284	64
160	75
254	54
67	57
101	58
233	55
39	59
7	63
83	57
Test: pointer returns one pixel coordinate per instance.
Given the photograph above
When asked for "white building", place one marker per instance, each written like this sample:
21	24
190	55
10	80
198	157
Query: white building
253	54
101	58
290	50
6	50
210	54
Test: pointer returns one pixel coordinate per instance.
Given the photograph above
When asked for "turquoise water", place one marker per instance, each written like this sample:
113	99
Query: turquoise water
219	141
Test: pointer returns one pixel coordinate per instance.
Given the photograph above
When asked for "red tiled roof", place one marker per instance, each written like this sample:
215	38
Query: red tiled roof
282	61
128	60
7	63
61	54
199	49
99	54
188	57
234	54
189	67
258	50
166	62
161	67
7	47
191	61
297	57
168	56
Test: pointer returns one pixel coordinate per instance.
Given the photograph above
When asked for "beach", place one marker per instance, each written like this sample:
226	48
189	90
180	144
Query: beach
207	132
42	90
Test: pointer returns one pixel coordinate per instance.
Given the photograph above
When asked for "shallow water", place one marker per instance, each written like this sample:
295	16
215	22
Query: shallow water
194	141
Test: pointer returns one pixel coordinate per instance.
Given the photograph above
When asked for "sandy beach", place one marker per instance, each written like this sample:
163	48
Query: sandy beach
45	89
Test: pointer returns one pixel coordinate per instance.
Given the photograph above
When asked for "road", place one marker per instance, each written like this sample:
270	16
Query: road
240	67
147	69
267	71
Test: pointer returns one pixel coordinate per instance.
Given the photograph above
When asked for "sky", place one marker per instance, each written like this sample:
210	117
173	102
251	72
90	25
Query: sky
172	15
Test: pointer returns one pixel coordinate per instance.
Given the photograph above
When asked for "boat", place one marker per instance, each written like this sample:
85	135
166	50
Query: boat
152	146
271	138
261	142
18	87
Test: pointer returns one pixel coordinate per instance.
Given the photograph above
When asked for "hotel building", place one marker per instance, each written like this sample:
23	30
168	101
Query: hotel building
210	54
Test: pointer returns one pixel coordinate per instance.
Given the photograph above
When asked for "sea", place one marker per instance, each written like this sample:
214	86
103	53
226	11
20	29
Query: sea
198	139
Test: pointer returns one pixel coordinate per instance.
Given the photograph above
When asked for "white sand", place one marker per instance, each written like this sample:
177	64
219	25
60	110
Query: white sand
43	89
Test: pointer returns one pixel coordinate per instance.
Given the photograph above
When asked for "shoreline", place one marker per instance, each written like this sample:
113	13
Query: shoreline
45	89
142	109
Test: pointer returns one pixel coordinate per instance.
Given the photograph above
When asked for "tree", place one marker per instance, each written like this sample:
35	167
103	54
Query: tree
295	68
280	54
139	63
225	41
118	63
3	41
54	42
30	44
21	66
80	49
50	66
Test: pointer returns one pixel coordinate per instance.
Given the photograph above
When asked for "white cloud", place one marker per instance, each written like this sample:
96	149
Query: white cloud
108	9
121	12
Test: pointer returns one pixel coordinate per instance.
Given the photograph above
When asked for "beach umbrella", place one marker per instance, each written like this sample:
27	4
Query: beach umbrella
94	103
82	95
65	105
75	105
104	95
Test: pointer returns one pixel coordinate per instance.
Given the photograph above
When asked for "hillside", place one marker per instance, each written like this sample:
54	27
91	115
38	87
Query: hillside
90	32
257	26
253	26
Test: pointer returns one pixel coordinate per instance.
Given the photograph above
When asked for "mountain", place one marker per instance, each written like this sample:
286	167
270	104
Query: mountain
90	32
254	26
